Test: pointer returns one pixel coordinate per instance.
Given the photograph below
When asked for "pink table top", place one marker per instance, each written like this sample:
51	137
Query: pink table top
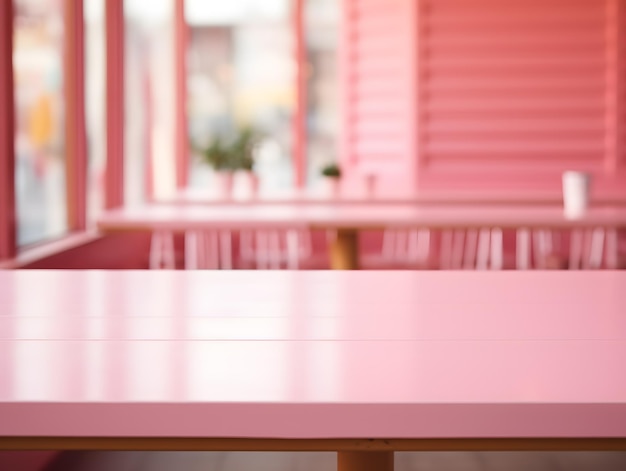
180	218
313	354
351	197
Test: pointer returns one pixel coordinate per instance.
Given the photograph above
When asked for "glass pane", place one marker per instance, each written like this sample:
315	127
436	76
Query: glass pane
149	167
241	72
322	33
95	75
40	140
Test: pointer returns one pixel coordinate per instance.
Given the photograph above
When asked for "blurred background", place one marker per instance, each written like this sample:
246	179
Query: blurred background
435	99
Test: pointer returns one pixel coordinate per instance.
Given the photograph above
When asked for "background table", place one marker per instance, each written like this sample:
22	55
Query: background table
348	220
196	196
363	363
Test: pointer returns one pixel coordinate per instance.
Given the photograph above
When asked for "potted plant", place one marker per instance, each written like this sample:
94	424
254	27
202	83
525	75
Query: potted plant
218	156
243	154
331	174
228	156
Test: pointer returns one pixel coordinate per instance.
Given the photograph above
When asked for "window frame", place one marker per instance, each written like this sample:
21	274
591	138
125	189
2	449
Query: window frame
8	216
75	115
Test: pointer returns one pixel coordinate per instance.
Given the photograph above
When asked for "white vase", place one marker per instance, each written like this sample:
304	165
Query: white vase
224	184
576	186
332	187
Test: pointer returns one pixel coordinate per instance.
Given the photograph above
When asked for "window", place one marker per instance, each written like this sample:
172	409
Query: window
149	166
321	39
95	99
40	141
241	72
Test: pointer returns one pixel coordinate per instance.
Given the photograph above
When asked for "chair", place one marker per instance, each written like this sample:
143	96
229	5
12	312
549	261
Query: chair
401	246
540	243
203	249
271	249
162	254
472	249
459	249
588	249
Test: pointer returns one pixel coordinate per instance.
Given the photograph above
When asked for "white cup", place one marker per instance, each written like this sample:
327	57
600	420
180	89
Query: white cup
576	186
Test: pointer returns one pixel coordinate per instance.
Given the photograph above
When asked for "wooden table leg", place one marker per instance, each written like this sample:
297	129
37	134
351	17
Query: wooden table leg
365	461
344	250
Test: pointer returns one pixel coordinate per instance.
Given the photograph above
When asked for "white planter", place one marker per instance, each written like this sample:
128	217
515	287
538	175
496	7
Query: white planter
224	184
331	186
576	187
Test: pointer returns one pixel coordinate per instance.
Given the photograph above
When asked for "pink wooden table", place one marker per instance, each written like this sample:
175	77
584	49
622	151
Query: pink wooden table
348	220
354	196
363	363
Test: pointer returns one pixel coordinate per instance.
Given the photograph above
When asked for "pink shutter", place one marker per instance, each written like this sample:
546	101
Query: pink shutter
511	93
378	89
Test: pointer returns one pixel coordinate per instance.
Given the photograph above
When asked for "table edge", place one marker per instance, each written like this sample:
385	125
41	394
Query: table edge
318	445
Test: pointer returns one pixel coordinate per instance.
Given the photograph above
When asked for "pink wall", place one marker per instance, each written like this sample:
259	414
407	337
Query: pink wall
120	251
484	94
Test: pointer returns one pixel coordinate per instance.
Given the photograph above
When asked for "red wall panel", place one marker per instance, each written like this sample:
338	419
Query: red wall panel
32	460
124	251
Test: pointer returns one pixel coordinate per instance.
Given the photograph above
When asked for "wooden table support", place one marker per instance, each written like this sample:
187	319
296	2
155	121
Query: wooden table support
343	446
344	250
365	461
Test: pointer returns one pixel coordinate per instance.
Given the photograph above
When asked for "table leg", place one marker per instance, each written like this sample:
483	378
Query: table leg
344	250
365	461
